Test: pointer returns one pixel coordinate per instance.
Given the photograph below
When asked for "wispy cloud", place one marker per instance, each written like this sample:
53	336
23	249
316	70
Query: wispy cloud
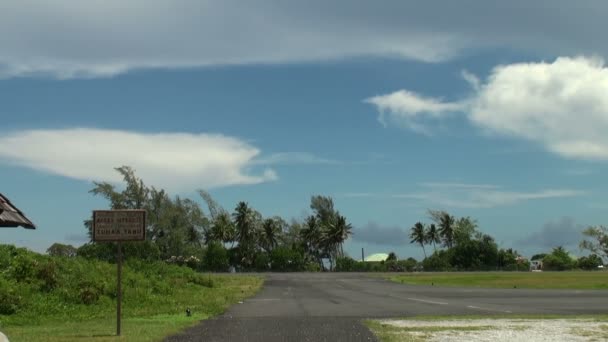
458	185
294	158
462	195
177	161
411	109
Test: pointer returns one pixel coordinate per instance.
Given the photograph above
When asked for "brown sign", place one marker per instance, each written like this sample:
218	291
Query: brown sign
119	225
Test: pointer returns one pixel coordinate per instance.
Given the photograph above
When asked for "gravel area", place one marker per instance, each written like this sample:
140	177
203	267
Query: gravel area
495	330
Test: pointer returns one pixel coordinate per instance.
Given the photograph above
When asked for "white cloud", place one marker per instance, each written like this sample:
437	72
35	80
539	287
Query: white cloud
461	195
176	161
410	109
561	105
72	38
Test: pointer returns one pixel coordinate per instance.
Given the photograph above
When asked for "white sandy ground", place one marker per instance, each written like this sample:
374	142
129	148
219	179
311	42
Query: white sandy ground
533	330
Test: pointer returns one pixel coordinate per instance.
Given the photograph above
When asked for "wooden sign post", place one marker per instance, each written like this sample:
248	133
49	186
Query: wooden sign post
118	226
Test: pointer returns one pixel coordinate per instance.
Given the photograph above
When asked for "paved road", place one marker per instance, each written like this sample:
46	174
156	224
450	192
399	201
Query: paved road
330	307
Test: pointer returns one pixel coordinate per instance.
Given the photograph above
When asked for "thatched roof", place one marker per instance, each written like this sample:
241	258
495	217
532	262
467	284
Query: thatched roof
10	216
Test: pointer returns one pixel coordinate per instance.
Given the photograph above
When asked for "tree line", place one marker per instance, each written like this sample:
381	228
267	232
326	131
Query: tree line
180	231
462	247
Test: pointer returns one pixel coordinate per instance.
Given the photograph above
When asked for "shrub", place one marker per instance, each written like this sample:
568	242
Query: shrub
558	260
438	261
215	258
47	273
9	300
590	262
262	262
346	264
285	259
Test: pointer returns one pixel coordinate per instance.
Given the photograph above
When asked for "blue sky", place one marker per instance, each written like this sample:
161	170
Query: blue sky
391	108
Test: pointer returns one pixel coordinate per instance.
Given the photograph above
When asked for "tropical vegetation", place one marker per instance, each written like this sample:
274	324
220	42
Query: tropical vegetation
181	231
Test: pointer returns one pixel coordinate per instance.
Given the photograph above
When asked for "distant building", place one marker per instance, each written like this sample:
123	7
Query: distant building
536	265
377	257
11	216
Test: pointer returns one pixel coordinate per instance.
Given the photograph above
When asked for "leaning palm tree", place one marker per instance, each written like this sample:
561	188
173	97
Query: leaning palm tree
446	229
432	236
336	233
417	234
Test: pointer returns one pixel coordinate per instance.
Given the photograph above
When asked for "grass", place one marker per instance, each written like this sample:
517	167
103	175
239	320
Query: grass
46	298
133	329
530	280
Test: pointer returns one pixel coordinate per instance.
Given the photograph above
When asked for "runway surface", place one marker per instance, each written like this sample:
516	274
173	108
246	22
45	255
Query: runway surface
331	307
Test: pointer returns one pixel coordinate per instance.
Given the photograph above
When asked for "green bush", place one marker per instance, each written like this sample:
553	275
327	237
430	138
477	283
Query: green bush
262	262
47	274
9	300
558	260
312	267
438	261
345	264
285	259
590	262
216	258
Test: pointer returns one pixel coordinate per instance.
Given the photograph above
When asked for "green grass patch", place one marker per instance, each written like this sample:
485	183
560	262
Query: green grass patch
46	298
530	280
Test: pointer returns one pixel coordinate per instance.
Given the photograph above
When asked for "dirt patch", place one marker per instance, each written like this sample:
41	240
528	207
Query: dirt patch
495	330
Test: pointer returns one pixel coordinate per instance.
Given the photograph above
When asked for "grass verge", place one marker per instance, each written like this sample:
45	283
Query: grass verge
530	280
46	298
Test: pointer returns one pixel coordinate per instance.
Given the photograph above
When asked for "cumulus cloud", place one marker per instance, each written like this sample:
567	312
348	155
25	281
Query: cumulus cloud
381	235
72	38
564	232
177	161
561	105
463	195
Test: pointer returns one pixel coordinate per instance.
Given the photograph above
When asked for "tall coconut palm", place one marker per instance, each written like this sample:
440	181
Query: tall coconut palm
222	228
446	229
432	236
417	234
336	233
243	219
270	233
311	236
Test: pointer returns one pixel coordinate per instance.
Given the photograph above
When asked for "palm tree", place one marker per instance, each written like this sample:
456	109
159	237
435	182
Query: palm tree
446	229
418	236
432	236
336	233
312	236
243	219
270	233
222	228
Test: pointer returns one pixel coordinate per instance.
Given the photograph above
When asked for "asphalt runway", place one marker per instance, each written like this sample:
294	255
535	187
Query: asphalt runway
331	307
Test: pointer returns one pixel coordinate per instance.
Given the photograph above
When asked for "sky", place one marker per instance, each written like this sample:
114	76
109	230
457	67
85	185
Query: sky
493	110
